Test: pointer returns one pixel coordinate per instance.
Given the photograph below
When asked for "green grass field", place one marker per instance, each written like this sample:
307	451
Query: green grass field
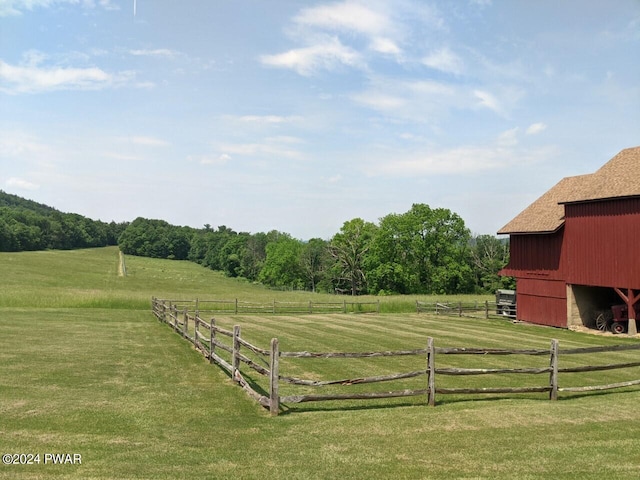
86	369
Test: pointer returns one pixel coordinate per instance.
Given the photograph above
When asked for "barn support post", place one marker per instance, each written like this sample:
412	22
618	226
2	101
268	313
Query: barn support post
630	299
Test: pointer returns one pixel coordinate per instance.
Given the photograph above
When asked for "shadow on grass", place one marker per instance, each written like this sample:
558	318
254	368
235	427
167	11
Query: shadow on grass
478	400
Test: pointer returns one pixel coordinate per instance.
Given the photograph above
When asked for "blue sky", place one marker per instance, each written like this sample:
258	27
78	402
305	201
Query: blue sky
299	116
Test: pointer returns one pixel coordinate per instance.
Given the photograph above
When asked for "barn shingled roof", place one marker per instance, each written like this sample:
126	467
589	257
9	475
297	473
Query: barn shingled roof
619	177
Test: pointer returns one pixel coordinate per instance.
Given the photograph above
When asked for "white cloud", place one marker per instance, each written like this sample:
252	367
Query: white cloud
487	100
356	29
502	153
418	100
121	156
270	147
149	141
445	60
268	119
461	160
536	128
16	143
380	101
323	56
482	3
335	178
17	7
508	138
384	45
212	159
158	52
21	184
347	16
34	79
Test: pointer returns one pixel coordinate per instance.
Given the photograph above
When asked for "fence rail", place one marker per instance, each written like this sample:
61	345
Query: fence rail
476	309
206	337
236	306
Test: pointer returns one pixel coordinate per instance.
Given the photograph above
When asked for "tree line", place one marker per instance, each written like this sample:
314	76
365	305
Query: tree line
422	251
27	225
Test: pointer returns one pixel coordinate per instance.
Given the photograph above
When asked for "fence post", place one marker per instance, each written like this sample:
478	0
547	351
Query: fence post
235	359
431	372
196	342
459	309
486	309
274	367
236	305
344	306
185	323
378	306
274	306
174	311
310	306
212	338
553	395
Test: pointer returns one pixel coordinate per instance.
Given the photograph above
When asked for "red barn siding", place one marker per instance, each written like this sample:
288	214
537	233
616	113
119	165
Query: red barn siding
536	261
543	288
601	243
542	301
535	255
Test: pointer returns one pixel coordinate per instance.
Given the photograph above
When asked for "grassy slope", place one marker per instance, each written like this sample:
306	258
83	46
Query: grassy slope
85	368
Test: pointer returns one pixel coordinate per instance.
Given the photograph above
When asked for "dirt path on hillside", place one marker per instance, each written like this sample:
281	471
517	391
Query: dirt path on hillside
122	268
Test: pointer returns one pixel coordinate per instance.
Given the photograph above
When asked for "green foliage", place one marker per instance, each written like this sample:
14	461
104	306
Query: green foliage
488	256
350	248
422	251
315	261
27	225
282	266
155	239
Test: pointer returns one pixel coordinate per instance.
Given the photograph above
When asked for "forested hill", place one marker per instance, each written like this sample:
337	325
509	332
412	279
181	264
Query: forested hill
9	200
28	225
424	250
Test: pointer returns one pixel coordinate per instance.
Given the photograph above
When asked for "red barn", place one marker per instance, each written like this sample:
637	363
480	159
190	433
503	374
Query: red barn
576	250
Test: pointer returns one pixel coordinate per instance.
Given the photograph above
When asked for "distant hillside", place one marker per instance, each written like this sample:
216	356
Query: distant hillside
28	225
10	200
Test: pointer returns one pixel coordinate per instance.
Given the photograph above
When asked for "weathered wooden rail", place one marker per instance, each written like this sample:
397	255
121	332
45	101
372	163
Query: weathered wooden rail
475	309
207	338
235	306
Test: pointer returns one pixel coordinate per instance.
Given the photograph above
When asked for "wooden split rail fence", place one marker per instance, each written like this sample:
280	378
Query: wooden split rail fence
207	338
484	309
235	306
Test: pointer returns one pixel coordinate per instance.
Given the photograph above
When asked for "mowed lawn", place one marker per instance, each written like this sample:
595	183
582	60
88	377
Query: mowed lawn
86	369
